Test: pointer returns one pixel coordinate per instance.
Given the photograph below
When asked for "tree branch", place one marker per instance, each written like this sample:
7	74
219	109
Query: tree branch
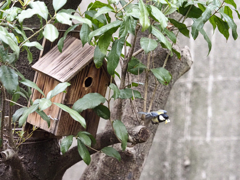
138	134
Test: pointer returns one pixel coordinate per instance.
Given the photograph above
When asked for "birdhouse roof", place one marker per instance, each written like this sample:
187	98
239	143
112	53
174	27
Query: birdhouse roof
64	66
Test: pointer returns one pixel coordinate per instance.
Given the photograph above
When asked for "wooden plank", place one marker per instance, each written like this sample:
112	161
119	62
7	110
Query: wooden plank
64	66
46	84
77	91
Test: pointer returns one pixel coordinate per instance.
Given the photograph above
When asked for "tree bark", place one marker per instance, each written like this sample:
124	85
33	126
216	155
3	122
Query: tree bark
131	165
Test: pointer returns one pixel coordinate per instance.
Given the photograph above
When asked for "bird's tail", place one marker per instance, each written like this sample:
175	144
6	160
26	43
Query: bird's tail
147	115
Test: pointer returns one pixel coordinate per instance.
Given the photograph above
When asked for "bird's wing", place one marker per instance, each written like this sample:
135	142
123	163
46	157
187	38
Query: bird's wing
155	114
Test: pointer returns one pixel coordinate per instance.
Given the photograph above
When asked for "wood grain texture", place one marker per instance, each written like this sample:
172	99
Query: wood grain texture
64	66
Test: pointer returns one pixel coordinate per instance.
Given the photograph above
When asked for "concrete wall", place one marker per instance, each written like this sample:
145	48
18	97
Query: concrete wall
203	139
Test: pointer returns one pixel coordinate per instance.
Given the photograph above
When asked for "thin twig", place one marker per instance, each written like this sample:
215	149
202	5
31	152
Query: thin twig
137	52
14	102
3	115
124	6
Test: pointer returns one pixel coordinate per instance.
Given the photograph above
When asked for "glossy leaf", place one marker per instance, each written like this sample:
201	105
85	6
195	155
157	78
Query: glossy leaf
50	32
84	138
162	75
231	24
103	10
44	104
66	143
114	55
74	114
144	16
135	66
83	152
121	133
181	27
82	20
170	35
191	11
222	26
228	11
104	29
18	113
98	57
161	38
116	91
31	84
148	45
57	4
89	101
25	14
207	39
159	16
64	18
84	32
58	89
129	94
40	8
110	151
8	78
231	2
44	116
89	135
33	44
25	114
128	26
102	111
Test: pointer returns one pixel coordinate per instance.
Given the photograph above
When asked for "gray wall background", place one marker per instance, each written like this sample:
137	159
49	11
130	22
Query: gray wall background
203	139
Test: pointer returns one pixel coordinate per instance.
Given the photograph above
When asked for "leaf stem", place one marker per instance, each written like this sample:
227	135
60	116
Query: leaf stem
14	102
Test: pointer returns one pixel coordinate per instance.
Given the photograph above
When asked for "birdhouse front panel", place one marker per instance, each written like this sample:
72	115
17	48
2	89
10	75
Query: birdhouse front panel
75	65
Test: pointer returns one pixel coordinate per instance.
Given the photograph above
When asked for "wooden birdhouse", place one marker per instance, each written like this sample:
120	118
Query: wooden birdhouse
74	65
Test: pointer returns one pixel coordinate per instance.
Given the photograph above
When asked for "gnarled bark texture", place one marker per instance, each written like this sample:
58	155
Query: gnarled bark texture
131	165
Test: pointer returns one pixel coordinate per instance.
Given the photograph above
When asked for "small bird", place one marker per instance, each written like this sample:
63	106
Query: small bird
157	117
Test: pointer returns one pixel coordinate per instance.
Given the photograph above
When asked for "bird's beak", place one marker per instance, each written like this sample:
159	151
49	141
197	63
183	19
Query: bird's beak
167	121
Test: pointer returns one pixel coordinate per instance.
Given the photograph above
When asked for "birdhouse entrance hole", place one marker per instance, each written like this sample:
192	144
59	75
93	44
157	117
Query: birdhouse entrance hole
88	81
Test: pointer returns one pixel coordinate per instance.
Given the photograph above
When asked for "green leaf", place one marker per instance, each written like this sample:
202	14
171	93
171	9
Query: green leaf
143	19
102	111
110	151
114	55
181	27
57	4
31	84
129	94
231	2
8	78
82	20
50	32
191	11
207	39
61	41
33	44
135	66
29	55
7	38
66	143
170	35
89	101
162	75
83	152
26	14
161	38
98	57
97	4
134	84
116	91
58	89
44	104
103	10
104	29
113	1
18	113
25	114
121	132
11	13
231	24
40	8
159	16
177	53
84	138
148	44
74	114
222	26
228	11
63	18
84	32
128	26
133	11
90	135
198	23
44	116
105	40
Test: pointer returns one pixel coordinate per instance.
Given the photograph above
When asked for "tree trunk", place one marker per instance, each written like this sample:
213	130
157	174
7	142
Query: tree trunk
131	165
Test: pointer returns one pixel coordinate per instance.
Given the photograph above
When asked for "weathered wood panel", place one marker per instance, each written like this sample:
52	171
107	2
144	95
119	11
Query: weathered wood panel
99	84
46	84
64	66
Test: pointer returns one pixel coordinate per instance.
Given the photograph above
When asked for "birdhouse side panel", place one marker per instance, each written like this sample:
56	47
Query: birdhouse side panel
46	84
89	80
